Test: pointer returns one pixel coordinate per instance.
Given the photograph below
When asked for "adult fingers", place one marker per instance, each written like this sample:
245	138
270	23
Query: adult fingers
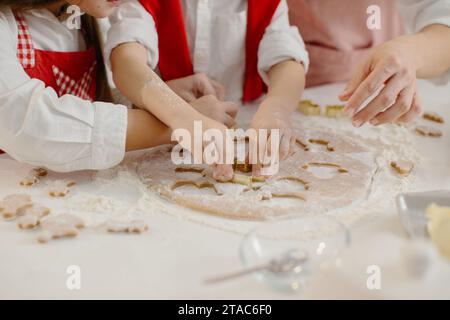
219	89
385	99
231	109
416	109
358	76
374	81
400	107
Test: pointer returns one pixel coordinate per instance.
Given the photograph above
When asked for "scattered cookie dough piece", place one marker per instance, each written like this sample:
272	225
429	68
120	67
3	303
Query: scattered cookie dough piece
304	183
134	226
200	184
13	205
335	111
439	228
33	177
309	108
432	116
32	217
428	132
61	226
242	167
60	188
403	168
325	143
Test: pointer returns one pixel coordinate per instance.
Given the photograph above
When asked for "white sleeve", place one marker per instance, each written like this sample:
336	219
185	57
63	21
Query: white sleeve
419	14
281	42
62	134
132	23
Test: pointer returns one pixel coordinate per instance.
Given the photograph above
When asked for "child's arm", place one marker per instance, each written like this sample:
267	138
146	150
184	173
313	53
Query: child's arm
142	86
286	84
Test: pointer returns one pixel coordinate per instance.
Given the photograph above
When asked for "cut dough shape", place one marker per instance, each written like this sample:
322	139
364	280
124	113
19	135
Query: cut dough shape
325	143
242	167
32	217
292	195
61	226
338	167
133	226
428	132
243	201
200	184
14	205
304	183
302	144
309	108
432	116
403	168
335	111
190	169
60	188
33	177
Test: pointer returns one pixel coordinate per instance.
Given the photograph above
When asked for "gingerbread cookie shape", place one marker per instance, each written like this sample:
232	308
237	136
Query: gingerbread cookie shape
60	188
60	226
14	205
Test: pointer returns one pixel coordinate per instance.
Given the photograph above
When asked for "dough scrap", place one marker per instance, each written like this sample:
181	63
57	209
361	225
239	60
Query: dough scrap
200	184
302	144
33	177
335	111
403	168
32	217
432	116
309	108
428	132
305	184
133	226
14	205
60	188
61	226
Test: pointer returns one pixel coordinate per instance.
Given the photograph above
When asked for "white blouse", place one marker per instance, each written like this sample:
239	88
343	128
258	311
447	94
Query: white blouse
39	128
421	13
216	31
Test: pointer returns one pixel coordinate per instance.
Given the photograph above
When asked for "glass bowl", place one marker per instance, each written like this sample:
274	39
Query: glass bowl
319	239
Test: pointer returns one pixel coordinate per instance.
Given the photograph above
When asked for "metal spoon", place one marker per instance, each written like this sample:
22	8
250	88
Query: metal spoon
285	263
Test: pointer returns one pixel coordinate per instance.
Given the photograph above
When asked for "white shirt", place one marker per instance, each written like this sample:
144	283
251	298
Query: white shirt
421	13
36	127
216	31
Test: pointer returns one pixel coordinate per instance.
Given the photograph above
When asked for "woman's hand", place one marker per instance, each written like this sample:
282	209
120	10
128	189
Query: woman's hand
272	114
196	86
391	67
223	112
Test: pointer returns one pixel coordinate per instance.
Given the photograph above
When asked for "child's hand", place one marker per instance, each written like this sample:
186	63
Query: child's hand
223	112
273	114
393	65
196	86
221	171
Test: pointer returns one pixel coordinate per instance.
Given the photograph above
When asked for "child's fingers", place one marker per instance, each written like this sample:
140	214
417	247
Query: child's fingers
400	108
223	172
228	121
285	145
219	89
231	109
385	99
368	87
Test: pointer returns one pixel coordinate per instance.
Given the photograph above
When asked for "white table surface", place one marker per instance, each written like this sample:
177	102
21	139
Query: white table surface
171	260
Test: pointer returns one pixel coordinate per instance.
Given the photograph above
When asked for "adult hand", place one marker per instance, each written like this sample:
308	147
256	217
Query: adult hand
196	86
388	74
223	112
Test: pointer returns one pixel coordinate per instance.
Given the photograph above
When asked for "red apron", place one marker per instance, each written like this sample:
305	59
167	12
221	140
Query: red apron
175	61
66	72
